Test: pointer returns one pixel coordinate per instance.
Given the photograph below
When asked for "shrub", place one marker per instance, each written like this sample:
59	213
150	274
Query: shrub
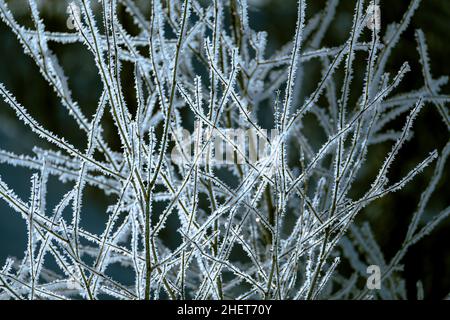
273	221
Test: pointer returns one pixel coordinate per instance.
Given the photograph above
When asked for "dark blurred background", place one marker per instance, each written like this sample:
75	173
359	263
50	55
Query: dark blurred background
428	261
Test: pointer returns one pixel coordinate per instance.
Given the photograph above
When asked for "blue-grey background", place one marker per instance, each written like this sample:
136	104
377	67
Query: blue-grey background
428	261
